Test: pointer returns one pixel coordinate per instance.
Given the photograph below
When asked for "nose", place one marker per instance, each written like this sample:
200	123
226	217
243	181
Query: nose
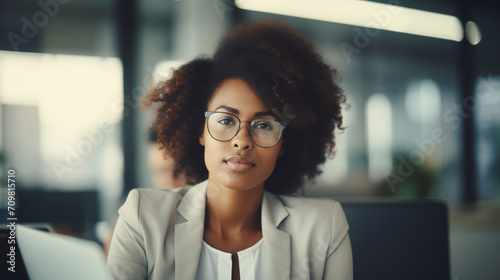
242	140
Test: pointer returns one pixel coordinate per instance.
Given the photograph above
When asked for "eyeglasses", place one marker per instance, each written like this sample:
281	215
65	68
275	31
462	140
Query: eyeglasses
224	126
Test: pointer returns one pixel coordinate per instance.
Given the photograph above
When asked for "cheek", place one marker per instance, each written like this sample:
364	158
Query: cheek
212	152
269	159
274	152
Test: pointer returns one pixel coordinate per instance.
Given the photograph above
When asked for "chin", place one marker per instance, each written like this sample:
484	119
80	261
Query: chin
238	181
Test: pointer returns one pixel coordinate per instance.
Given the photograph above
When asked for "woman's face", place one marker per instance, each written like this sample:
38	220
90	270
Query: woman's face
239	163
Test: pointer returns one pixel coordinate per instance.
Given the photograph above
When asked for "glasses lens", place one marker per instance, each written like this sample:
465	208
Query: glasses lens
266	132
222	126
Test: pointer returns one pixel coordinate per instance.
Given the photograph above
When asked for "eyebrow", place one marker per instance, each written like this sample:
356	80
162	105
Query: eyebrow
236	111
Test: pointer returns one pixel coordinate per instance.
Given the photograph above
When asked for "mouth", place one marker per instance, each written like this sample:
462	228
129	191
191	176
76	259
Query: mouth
238	163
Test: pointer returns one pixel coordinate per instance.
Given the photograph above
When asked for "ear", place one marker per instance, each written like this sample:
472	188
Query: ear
202	139
282	150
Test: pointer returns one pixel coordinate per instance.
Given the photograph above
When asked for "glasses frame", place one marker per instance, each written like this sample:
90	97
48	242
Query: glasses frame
282	123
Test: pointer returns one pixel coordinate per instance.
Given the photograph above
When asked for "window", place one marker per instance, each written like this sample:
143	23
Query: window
379	133
60	120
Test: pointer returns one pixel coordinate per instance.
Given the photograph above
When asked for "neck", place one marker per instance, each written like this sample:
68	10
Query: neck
232	211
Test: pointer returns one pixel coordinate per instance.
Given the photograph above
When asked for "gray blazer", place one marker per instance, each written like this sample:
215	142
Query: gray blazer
159	236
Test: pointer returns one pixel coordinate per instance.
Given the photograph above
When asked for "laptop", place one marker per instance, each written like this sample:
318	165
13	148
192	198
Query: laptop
50	256
393	240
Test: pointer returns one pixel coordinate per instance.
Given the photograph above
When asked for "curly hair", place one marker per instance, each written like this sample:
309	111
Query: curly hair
283	68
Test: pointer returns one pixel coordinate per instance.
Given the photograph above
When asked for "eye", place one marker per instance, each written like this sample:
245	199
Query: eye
264	125
225	121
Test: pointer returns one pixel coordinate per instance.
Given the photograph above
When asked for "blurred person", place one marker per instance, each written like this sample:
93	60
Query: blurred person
163	176
248	127
162	166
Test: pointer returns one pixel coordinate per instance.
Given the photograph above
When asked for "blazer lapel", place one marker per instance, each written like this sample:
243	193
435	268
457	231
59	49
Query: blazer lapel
189	234
276	241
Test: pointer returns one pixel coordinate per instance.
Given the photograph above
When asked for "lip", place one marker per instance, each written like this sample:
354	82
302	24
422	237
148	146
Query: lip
238	163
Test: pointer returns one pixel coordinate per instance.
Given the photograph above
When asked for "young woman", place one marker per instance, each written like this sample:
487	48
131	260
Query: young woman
247	126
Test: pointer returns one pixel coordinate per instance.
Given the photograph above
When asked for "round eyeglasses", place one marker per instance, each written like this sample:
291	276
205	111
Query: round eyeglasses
224	126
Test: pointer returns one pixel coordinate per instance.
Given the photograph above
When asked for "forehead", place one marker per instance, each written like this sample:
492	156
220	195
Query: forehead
238	94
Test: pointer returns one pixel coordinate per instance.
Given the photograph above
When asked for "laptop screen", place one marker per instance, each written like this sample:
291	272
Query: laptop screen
49	256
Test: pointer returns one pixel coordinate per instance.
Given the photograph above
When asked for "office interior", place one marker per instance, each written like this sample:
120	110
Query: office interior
423	122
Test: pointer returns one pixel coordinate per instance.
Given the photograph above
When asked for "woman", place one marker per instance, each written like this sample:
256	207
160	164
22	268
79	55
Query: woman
247	126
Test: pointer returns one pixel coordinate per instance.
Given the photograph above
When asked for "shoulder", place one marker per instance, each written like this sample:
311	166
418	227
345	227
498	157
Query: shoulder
143	201
312	207
140	194
315	217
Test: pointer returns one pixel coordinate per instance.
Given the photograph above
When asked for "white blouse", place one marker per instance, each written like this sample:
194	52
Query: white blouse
215	264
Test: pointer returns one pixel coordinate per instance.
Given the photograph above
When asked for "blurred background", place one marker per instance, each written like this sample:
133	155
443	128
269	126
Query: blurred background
424	91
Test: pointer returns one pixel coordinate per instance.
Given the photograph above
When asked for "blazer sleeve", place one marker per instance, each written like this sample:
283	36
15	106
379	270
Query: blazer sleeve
127	256
339	257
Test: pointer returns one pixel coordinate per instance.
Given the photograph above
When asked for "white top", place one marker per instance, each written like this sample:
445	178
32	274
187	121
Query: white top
215	264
